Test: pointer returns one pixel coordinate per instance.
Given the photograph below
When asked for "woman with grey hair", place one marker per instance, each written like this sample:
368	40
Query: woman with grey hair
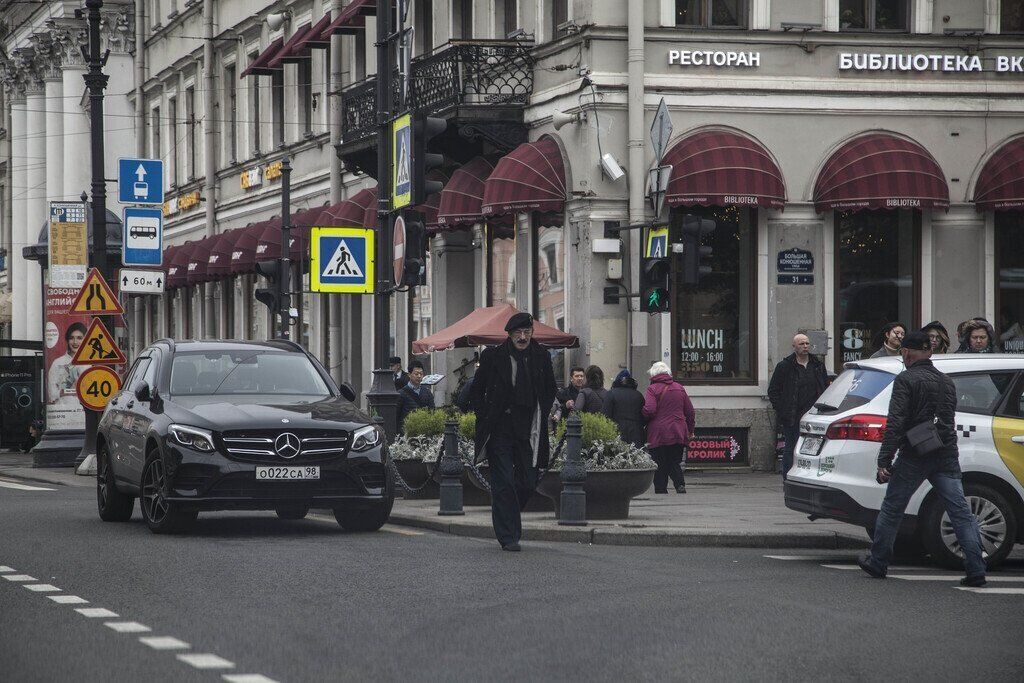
670	421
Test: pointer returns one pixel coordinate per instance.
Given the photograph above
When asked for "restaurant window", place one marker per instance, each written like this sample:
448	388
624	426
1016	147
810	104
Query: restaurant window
1011	16
876	277
231	92
1010	280
190	132
172	153
462	20
501	267
277	104
425	25
712	13
873	15
549	273
305	91
714	320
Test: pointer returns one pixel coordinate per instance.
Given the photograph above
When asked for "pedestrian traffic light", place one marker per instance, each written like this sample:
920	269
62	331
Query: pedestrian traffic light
655	281
415	270
270	296
424	129
696	258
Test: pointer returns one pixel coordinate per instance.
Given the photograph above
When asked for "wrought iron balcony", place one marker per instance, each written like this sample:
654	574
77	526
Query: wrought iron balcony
461	75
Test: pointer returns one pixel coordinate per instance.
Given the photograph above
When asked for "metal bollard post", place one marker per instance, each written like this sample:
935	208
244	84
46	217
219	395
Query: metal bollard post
573	510
451	472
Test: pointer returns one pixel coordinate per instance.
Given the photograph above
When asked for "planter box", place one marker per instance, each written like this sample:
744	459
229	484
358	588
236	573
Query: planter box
608	493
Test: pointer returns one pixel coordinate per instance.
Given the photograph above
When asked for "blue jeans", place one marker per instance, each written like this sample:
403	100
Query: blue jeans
944	475
790	435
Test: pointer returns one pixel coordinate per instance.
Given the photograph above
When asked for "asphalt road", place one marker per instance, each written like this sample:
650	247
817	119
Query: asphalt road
264	599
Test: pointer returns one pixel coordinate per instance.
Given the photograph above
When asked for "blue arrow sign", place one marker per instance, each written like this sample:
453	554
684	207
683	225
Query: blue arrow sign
142	243
140	181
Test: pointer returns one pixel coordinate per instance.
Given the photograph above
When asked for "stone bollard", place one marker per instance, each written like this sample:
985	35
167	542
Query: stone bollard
573	510
451	472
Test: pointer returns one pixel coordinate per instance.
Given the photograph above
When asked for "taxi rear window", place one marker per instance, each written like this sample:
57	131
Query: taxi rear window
852	389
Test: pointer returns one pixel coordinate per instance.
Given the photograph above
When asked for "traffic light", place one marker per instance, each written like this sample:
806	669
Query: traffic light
655	279
275	296
424	129
696	258
414	272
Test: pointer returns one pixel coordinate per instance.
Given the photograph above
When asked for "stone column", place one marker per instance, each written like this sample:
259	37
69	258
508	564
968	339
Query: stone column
452	298
117	34
69	36
18	173
50	66
37	210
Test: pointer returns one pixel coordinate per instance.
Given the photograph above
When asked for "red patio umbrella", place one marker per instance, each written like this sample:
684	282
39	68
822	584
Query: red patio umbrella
486	327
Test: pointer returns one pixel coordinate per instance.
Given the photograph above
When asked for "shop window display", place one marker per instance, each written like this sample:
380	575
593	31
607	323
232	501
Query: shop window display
713	320
501	269
1010	280
876	277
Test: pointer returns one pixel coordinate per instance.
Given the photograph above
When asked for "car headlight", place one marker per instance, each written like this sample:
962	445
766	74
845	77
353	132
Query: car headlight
192	437
365	438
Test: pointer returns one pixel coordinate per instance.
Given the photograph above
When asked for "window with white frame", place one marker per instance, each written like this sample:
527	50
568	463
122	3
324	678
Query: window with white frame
462	19
255	114
190	132
424	26
277	106
712	13
154	133
231	110
507	13
172	154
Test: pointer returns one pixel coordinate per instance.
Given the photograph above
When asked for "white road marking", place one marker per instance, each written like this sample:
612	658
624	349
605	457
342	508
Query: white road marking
992	591
22	487
402	532
6	570
206	661
247	678
953	577
806	558
127	626
19	577
164	643
67	599
97	613
42	588
840	566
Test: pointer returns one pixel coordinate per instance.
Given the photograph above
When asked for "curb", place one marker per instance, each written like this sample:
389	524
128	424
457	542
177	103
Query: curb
646	537
17	473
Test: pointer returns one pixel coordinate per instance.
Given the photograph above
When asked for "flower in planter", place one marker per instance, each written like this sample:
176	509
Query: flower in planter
611	455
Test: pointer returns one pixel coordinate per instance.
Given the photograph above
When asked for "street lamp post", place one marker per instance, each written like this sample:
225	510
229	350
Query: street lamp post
284	282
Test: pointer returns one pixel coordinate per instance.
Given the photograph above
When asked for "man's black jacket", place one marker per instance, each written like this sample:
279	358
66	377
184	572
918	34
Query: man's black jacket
919	394
492	393
412	399
782	390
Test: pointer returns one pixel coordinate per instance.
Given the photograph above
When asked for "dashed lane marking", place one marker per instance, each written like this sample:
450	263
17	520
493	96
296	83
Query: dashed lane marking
164	643
20	577
7	570
67	599
206	661
247	678
22	487
127	626
851	567
992	591
97	613
42	588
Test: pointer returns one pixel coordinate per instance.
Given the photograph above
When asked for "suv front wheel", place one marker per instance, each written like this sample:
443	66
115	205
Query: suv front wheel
162	517
113	505
996	520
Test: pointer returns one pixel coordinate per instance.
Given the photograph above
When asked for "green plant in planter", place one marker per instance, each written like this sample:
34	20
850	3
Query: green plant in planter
610	455
596	427
467	426
424	422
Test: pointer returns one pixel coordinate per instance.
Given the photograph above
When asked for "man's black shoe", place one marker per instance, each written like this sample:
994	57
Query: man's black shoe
976	581
865	564
663	491
680	489
512	547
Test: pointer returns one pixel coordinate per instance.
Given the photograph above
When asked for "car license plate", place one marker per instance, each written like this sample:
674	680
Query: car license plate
288	472
810	445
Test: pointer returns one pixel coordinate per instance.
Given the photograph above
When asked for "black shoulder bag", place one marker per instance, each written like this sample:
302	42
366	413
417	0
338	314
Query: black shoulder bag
924	438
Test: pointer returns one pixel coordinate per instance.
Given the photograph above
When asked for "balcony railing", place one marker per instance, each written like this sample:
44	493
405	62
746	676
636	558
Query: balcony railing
463	73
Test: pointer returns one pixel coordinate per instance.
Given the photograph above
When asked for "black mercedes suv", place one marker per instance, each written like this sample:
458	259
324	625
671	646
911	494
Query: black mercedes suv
234	425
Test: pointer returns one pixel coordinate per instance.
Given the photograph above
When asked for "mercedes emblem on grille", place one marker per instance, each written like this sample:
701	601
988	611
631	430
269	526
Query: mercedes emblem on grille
287	445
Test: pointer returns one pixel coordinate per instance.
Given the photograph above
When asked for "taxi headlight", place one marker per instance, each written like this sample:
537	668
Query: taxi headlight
192	437
365	438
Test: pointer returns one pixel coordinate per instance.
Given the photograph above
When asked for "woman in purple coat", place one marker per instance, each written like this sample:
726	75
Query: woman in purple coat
670	420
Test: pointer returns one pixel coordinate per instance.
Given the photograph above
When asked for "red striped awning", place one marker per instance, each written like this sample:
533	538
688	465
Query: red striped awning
177	266
314	38
723	168
198	260
463	195
352	19
430	206
1001	183
168	257
218	264
261	65
530	178
881	171
291	52
243	251
349	212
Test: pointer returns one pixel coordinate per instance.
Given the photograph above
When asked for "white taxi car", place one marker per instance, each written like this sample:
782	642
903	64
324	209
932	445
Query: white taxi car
834	466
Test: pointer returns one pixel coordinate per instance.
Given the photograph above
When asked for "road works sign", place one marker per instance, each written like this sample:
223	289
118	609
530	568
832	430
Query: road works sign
98	347
341	260
401	162
142	242
140	181
96	297
96	386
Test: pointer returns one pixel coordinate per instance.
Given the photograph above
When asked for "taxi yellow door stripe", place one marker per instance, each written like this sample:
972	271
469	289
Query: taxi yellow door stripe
1004	430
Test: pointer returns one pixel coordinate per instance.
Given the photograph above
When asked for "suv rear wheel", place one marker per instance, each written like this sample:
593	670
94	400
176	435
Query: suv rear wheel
996	520
162	517
113	505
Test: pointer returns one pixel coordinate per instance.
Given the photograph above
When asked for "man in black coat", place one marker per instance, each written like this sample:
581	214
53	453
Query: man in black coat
512	395
799	379
400	377
414	395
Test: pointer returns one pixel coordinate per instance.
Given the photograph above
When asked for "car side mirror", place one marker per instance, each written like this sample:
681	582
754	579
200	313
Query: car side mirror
347	391
143	392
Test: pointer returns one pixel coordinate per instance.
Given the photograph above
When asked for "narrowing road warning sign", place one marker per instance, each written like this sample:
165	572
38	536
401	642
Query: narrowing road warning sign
341	260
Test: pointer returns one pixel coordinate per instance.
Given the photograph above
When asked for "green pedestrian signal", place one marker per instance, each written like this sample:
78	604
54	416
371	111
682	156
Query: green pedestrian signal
655	280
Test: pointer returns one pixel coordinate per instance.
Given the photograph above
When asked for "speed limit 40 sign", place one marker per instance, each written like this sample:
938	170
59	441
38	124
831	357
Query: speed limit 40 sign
96	386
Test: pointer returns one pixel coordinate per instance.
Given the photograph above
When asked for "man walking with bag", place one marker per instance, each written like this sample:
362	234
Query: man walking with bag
512	396
921	425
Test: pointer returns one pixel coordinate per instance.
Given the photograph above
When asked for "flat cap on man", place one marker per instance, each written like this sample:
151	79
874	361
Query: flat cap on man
917	341
519	321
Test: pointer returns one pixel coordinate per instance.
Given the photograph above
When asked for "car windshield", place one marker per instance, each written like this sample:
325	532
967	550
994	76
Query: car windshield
851	389
245	372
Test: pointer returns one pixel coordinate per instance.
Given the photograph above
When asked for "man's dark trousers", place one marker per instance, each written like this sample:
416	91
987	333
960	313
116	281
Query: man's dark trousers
790	435
944	474
513	480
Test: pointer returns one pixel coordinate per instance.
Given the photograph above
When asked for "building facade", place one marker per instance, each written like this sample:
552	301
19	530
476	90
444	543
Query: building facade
853	163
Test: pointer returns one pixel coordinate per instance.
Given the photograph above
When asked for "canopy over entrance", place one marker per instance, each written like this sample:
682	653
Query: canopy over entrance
486	327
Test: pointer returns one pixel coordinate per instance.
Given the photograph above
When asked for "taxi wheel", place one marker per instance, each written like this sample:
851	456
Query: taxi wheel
292	513
113	505
996	520
160	515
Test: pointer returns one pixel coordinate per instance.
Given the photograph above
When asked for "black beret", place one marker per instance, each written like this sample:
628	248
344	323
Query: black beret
394	360
917	341
519	321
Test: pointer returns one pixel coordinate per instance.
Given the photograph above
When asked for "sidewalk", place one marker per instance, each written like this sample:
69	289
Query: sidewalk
733	510
19	466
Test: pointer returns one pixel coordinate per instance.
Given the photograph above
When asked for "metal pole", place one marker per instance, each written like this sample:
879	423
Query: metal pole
95	82
573	502
451	467
284	282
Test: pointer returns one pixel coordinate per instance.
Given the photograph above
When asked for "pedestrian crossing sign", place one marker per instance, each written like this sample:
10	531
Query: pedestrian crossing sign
341	260
96	297
657	243
401	162
98	347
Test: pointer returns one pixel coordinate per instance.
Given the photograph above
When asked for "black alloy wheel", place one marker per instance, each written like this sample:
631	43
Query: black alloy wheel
162	517
369	519
113	505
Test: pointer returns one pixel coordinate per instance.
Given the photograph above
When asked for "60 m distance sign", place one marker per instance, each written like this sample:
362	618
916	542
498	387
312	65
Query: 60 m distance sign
141	281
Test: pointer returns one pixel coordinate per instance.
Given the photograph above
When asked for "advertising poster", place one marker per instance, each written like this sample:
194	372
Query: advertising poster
68	242
718	446
63	336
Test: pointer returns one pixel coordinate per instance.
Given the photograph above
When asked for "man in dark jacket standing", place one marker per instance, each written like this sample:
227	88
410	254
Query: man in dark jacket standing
799	379
512	396
922	395
414	395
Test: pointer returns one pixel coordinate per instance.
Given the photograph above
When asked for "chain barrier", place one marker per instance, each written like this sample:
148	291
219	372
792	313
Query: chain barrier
431	474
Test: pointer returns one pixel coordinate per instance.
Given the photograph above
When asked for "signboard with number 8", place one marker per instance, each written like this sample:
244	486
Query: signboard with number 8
96	386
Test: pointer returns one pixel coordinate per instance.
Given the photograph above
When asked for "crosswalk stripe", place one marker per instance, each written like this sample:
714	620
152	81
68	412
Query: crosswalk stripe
206	661
41	588
22	487
96	612
992	591
67	599
805	558
20	577
247	678
127	626
7	570
164	643
851	567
